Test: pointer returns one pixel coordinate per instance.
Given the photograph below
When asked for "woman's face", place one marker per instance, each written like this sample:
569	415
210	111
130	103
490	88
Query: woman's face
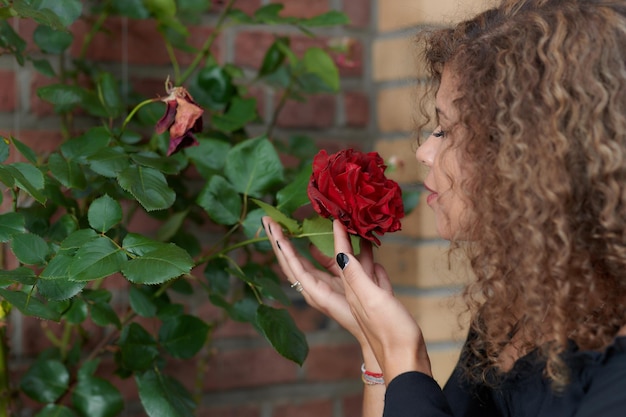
443	159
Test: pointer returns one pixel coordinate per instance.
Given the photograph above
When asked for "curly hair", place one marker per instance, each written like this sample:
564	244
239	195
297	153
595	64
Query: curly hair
542	87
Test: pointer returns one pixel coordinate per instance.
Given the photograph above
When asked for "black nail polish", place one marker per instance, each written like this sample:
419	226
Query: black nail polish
342	260
269	227
262	224
278	244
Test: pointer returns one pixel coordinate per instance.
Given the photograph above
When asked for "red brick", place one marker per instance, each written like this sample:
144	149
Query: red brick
231	411
8	99
240	368
356	109
358	11
353	406
329	363
308	409
318	112
145	45
303	8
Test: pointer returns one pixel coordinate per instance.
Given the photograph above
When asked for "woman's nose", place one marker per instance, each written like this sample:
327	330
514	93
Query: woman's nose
425	154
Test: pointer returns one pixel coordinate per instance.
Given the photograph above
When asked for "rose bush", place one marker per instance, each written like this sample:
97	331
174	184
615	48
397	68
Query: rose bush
69	220
351	186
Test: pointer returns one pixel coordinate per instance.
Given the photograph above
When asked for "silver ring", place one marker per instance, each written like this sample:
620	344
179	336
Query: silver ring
297	286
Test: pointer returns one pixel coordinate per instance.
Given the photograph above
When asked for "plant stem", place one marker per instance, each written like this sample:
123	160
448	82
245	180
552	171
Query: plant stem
135	110
280	106
92	33
206	48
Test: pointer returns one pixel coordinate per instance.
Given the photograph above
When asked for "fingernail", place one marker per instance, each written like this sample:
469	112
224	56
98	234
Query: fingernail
342	260
278	244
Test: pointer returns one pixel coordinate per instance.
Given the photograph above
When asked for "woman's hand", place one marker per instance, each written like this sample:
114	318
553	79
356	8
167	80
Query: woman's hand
392	333
322	290
359	298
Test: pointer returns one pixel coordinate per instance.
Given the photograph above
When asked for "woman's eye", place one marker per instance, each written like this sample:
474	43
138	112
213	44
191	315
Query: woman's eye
439	134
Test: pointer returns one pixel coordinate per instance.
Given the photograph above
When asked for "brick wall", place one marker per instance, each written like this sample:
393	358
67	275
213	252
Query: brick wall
425	279
241	375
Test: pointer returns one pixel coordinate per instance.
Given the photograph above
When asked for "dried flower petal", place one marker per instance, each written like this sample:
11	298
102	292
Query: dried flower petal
182	118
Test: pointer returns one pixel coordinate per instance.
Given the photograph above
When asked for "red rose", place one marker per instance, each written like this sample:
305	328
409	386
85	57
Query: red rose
351	186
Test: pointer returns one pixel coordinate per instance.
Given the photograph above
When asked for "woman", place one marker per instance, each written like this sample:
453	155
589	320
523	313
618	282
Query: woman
528	175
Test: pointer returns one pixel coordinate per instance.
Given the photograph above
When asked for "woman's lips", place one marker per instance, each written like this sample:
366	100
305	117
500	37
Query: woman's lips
432	196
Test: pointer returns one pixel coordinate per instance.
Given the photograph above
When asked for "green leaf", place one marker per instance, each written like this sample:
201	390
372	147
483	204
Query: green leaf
109	94
209	156
103	314
4	147
29	306
58	289
44	67
221	201
52	410
161	8
274	57
217	276
253	229
11	224
62	228
148	186
139	244
217	87
131	8
269	13
78	311
69	173
163	396
21	275
82	147
272	290
142	302
97	397
46	380
254	167
76	240
318	62
30	249
109	162
28	178
25	150
280	217
241	112
97	258
63	97
330	18
294	195
280	330
52	41
183	336
9	36
68	11
138	349
160	265
171	226
167	165
104	213
320	232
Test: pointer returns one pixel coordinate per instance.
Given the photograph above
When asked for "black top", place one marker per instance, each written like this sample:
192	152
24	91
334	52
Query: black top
597	389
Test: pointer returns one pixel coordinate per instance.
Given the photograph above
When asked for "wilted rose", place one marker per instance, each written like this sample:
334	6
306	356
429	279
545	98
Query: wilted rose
351	186
183	118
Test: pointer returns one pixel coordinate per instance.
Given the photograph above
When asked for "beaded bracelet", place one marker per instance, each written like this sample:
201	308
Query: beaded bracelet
371	378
